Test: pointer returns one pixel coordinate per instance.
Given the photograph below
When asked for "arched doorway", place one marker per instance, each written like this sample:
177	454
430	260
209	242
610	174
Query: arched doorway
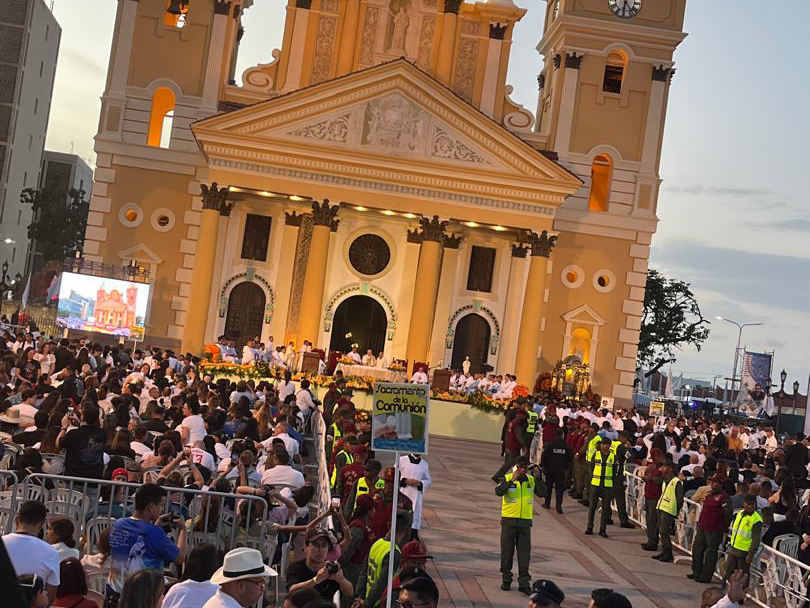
471	340
245	312
362	317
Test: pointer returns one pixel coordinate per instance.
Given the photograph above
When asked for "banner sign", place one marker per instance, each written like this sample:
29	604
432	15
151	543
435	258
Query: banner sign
399	417
607	403
756	369
656	408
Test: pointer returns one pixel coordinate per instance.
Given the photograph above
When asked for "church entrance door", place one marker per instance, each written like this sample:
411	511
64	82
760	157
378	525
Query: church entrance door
471	340
245	313
359	320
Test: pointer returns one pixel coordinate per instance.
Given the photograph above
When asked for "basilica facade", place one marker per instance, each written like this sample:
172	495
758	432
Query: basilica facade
375	185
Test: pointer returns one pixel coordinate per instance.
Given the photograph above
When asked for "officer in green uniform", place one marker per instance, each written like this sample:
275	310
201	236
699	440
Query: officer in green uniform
602	475
532	418
669	505
591	449
746	532
517	491
373	577
342	458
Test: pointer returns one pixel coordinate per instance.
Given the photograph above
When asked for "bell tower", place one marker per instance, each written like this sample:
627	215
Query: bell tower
603	93
169	64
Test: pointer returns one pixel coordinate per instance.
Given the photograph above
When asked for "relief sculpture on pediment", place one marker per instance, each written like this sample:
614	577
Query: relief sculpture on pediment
394	124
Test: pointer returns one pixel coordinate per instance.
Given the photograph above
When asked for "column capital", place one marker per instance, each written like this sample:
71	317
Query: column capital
540	244
557	60
572	60
429	230
222	7
660	73
452	241
541	81
519	251
292	218
213	197
497	31
323	214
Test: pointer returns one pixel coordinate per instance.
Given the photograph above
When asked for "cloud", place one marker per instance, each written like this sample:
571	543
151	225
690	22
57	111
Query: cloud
796	224
762	279
710	190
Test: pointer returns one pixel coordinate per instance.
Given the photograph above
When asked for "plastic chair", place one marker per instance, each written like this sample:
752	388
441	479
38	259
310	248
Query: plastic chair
73	497
787	544
93	530
97	581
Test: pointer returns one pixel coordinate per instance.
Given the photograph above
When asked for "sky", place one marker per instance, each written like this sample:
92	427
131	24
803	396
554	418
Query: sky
734	215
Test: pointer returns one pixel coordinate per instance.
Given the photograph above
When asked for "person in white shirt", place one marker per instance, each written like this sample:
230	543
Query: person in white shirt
770	442
420	376
281	473
285	387
368	359
304	399
248	353
290	360
465	366
29	554
192	428
193	592
277	358
241	579
354	356
46	359
382	362
201	457
269	347
281	432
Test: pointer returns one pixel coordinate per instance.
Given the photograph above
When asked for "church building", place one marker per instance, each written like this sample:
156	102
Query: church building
375	184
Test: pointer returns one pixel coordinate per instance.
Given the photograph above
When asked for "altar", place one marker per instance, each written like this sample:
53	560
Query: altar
374	373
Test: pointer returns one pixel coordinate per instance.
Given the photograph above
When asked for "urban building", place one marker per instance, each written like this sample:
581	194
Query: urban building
29	46
375	184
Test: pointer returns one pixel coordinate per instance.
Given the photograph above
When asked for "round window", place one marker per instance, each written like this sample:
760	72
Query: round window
162	219
572	276
369	254
130	215
604	280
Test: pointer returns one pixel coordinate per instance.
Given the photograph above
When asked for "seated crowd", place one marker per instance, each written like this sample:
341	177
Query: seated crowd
135	477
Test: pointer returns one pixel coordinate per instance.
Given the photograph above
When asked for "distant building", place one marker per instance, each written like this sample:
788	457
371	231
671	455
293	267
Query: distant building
61	172
111	309
29	46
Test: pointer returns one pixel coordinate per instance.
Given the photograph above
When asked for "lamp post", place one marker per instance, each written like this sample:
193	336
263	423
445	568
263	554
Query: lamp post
740	327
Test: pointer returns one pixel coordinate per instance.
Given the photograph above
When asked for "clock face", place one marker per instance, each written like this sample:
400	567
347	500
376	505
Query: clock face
625	9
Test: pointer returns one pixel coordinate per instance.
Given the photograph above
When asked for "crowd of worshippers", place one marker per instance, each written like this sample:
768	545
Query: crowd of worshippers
179	472
752	485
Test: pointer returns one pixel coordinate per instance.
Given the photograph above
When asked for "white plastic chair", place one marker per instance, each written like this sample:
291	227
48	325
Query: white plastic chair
97	581
787	544
93	530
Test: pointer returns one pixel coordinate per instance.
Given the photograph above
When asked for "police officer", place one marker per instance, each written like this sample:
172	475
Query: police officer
555	461
545	594
669	505
532	423
517	491
602	474
592	446
746	532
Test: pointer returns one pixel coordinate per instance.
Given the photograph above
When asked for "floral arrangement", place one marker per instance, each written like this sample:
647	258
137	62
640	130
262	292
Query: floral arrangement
477	399
212	353
520	390
346	361
396	366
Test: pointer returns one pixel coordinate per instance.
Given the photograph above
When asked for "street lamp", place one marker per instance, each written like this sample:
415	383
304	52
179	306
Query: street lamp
740	327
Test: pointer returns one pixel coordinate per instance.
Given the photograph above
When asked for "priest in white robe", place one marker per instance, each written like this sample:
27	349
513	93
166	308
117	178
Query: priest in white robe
414	473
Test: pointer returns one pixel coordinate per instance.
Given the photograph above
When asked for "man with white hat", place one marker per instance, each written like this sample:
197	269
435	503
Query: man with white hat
241	579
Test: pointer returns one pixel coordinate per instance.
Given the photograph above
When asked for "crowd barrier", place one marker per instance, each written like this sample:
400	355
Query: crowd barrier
777	579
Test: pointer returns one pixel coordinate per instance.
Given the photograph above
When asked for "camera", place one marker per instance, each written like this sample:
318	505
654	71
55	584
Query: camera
331	567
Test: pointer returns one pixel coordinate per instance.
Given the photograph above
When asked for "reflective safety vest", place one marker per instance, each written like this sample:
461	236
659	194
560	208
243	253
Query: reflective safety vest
336	431
378	552
531	417
668	503
362	488
519	500
592	447
603	472
614	445
742	530
349	460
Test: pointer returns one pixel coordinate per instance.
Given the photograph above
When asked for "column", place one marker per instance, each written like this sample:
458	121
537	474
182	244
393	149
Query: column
348	35
444	300
447	42
216	51
514	301
284	275
425	288
533	304
292	78
565	119
647	177
492	68
309	319
214	202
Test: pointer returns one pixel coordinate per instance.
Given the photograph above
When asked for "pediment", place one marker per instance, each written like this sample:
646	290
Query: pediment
383	123
585	315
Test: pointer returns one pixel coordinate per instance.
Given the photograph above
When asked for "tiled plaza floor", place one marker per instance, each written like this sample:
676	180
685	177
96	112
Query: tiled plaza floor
461	529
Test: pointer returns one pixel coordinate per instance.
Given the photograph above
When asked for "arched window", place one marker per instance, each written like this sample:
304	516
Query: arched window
614	73
175	15
600	183
161	118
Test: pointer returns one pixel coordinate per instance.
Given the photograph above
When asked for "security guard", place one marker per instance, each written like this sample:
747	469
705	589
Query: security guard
602	473
746	532
555	460
517	491
373	577
619	448
669	505
343	458
369	482
532	418
592	447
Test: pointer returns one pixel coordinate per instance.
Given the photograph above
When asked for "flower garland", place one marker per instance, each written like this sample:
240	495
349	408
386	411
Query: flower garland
477	400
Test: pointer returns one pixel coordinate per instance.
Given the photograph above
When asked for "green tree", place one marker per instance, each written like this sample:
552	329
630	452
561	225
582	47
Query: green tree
57	227
671	319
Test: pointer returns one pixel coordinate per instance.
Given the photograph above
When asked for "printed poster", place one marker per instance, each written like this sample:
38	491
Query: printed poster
399	417
656	408
607	403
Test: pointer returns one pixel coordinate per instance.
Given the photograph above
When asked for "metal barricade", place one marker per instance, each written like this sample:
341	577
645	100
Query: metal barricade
223	519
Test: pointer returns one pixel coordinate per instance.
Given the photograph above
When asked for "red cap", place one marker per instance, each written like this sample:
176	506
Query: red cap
415	550
118	472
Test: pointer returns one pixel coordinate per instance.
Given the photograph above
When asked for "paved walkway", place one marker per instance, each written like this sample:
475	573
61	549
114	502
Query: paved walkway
462	531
